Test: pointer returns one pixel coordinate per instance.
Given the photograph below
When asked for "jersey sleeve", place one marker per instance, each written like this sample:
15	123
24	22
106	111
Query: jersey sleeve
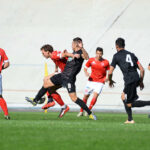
57	55
88	64
114	61
136	59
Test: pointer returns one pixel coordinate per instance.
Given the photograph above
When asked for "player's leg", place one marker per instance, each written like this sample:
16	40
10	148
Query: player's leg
133	96
54	80
78	101
85	98
128	109
87	93
93	101
3	104
71	88
97	88
49	93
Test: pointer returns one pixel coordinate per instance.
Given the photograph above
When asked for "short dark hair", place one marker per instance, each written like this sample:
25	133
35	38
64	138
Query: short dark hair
120	42
77	39
47	48
99	49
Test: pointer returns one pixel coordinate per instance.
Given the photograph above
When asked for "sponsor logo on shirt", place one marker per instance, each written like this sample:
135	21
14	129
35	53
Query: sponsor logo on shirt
70	59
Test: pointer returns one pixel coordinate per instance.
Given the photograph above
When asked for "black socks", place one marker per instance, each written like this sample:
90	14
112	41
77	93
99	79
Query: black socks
83	105
128	111
41	93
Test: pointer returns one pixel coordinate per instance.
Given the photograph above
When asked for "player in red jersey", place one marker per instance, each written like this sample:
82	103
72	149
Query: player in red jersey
4	63
60	62
97	78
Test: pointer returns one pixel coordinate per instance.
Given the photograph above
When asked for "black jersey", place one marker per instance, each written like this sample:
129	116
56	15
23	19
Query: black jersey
73	67
127	62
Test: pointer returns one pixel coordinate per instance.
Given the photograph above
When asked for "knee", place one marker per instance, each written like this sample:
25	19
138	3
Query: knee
73	98
129	105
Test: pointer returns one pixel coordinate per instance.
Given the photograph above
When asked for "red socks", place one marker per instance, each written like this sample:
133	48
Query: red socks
57	98
4	106
85	101
92	103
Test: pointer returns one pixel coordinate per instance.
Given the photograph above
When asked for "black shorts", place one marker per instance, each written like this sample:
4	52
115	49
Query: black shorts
60	81
131	91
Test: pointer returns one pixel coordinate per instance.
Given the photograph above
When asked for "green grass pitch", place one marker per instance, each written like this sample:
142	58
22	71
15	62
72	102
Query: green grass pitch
39	131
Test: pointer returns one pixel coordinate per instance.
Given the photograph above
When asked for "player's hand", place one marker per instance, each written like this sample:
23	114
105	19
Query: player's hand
111	83
77	56
141	85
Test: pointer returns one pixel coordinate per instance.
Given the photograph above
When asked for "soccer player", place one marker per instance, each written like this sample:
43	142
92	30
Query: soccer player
4	63
128	64
67	78
60	62
97	78
48	52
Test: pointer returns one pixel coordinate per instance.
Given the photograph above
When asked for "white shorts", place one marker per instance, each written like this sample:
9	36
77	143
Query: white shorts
0	84
93	87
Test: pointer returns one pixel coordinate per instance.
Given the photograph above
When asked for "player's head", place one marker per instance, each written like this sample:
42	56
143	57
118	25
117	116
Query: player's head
76	42
47	50
99	52
120	44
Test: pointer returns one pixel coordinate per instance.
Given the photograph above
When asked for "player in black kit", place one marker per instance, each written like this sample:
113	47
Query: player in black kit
128	64
67	78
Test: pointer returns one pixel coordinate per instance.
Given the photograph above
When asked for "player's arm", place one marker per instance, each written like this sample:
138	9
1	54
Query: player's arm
56	68
142	72
66	54
5	65
87	65
110	74
86	71
84	52
6	61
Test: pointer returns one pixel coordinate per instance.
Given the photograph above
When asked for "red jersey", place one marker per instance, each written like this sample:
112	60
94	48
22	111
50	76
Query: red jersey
3	58
98	69
58	60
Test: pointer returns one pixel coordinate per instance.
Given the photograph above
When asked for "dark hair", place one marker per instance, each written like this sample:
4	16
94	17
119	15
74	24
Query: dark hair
77	39
99	49
47	47
120	42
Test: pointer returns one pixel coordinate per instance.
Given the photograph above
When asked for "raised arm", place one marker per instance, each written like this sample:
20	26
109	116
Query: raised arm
142	72
84	52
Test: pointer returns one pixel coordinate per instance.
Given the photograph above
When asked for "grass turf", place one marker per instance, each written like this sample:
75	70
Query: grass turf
39	131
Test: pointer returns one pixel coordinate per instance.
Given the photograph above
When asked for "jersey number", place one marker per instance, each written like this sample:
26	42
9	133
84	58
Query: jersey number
129	60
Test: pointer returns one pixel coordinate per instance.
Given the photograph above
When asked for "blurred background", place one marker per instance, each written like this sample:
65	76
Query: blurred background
26	25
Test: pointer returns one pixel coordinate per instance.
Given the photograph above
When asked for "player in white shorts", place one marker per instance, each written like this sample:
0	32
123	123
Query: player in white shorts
97	78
